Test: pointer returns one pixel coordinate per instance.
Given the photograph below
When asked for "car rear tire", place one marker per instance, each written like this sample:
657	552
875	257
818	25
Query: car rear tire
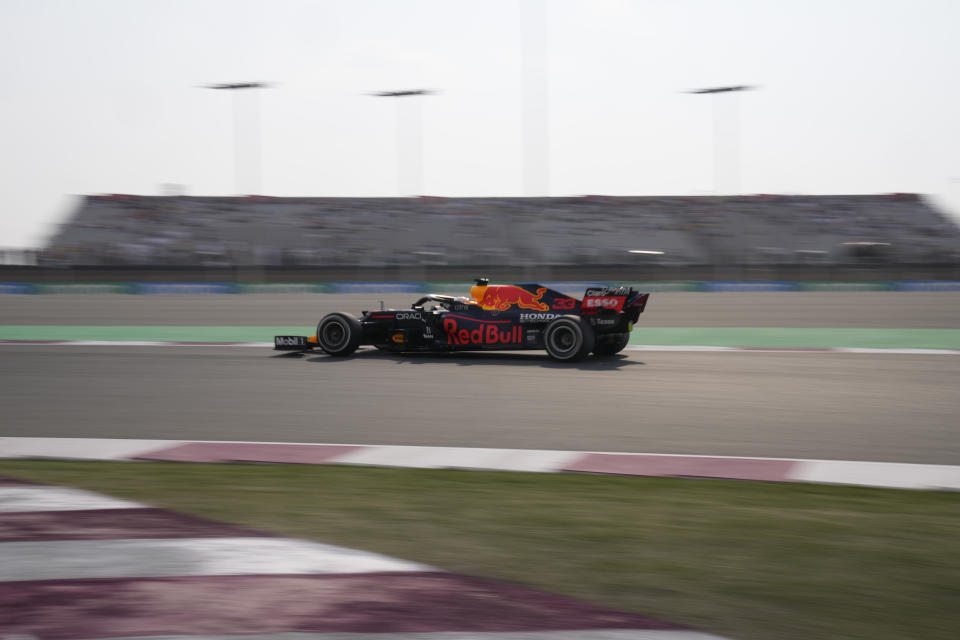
611	344
568	339
339	334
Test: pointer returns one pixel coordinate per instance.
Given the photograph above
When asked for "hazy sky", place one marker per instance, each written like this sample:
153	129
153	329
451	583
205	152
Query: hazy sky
101	96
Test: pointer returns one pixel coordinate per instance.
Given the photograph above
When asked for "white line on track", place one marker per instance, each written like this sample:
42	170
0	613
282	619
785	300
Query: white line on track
130	343
636	347
924	352
461	458
77	448
854	472
75	559
592	634
42	498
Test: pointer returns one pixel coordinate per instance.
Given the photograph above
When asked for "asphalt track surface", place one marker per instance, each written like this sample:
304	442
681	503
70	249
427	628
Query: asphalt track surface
902	408
873	309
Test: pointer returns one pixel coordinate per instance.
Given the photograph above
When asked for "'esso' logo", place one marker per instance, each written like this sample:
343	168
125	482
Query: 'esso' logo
602	303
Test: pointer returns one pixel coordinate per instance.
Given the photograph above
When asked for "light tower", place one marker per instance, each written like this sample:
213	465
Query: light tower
409	139
734	124
254	168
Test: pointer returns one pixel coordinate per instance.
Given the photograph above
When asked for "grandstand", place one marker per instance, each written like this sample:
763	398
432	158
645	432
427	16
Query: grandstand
121	230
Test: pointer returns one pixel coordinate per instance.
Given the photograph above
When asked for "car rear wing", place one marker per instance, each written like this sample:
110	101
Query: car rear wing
615	299
637	301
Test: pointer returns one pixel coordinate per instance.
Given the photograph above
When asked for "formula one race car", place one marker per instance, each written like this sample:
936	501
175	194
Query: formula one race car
505	317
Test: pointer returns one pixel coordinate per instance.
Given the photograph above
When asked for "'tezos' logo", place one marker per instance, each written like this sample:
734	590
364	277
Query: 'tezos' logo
485	334
614	303
502	297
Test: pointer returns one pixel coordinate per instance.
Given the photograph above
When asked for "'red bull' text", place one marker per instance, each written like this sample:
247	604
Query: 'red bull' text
485	334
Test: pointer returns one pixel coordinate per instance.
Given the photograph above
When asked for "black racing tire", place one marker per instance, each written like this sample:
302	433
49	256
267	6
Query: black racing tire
568	339
610	344
339	334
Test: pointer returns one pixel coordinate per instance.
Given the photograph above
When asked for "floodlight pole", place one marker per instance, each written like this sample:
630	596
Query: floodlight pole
735	125
535	100
254	186
409	128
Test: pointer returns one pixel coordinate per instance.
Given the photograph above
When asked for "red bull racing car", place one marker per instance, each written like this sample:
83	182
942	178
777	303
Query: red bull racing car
505	316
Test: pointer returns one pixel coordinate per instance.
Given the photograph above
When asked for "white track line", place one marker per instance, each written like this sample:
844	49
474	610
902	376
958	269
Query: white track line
79	448
77	559
912	352
893	351
853	472
593	634
129	343
635	347
20	498
879	474
460	458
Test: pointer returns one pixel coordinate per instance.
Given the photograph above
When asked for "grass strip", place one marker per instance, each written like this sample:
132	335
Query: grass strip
743	559
697	336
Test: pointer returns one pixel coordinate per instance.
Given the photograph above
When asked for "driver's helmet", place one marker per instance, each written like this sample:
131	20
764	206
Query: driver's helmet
478	292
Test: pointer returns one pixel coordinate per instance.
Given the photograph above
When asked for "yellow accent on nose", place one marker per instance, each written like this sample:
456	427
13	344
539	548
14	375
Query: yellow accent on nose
629	327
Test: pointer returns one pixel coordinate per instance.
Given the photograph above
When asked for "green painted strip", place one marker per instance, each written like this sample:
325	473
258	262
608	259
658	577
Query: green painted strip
700	336
93	288
291	288
677	285
798	337
846	286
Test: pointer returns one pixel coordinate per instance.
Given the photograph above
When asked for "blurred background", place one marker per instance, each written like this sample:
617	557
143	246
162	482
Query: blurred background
801	157
618	133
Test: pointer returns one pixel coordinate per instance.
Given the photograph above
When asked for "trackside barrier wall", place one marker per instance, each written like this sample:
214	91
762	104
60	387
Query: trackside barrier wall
377	287
16	288
182	288
450	288
288	288
929	285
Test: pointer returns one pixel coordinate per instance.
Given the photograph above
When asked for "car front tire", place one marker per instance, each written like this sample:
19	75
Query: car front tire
339	334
